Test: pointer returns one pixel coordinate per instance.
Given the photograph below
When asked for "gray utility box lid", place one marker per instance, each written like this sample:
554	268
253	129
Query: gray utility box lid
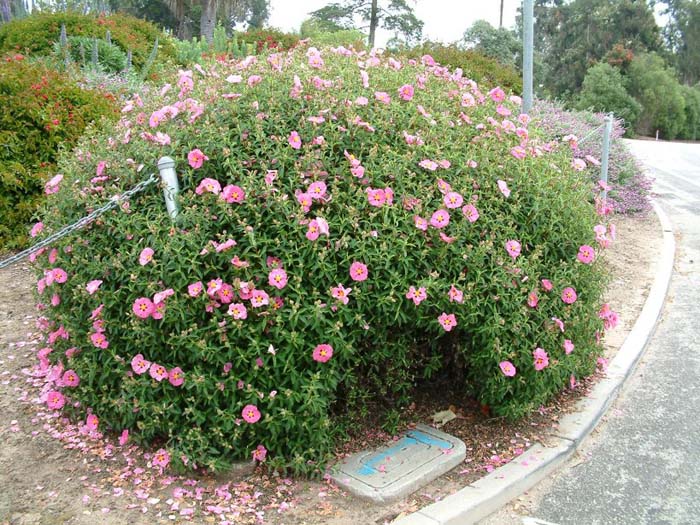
400	467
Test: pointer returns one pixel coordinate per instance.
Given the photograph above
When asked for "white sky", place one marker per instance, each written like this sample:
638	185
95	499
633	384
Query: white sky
444	20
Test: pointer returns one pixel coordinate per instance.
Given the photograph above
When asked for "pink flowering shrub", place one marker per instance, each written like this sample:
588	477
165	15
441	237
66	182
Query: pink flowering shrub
333	248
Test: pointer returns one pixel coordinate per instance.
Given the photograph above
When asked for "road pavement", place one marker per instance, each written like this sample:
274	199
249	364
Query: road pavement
643	465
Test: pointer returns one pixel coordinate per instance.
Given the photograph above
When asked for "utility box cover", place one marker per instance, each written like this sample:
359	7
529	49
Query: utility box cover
400	467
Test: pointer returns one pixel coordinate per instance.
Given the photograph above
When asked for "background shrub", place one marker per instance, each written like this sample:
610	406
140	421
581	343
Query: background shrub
288	125
604	91
268	39
36	34
630	187
42	112
691	96
321	36
476	66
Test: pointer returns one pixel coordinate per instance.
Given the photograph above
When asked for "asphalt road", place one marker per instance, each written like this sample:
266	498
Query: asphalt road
643	465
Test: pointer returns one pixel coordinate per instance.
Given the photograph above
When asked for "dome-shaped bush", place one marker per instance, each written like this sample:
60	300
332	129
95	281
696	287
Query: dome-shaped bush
348	225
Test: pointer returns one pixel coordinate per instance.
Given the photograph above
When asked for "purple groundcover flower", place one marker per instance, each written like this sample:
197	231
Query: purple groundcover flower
631	189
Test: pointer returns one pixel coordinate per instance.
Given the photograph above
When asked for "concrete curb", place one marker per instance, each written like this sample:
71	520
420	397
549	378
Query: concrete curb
486	495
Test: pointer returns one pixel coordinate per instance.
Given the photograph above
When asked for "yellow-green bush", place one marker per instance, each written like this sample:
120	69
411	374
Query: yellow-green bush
36	34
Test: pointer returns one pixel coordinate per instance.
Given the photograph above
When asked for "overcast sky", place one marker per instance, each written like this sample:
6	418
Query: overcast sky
445	20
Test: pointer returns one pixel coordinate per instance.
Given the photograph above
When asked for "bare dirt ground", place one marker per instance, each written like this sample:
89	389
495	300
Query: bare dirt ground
53	472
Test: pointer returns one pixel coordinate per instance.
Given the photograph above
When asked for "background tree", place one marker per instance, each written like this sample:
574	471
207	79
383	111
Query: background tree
575	35
393	15
501	44
604	91
682	35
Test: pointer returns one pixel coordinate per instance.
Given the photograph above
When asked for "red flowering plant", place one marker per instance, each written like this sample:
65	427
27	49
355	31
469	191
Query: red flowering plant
349	224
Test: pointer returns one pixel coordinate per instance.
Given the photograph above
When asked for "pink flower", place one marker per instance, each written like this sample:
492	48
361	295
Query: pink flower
222	247
428	164
53	185
444	186
254	80
547	285
503	186
532	300
91	422
513	248
358	271
161	458
70	378
322	353
36	229
157	372
99	340
416	295
357	171
146	256
124	437
59	275
143	307
260	453
420	222
568	295
196	158
238	311
518	152
317	189
208	186
507	368
305	200
294	140
382	97
92	286
406	92
176	376
139	364
453	200
313	232
448	322
232	193
251	414
568	346
195	289
579	165
455	295
586	254
55	400
470	212
341	293
497	94
440	219
541	359
559	323
259	298
277	278
376	197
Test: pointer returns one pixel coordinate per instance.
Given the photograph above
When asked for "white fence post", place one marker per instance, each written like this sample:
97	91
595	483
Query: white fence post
166	166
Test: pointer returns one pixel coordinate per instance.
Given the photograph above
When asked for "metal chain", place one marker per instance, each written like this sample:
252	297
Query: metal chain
596	130
113	203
